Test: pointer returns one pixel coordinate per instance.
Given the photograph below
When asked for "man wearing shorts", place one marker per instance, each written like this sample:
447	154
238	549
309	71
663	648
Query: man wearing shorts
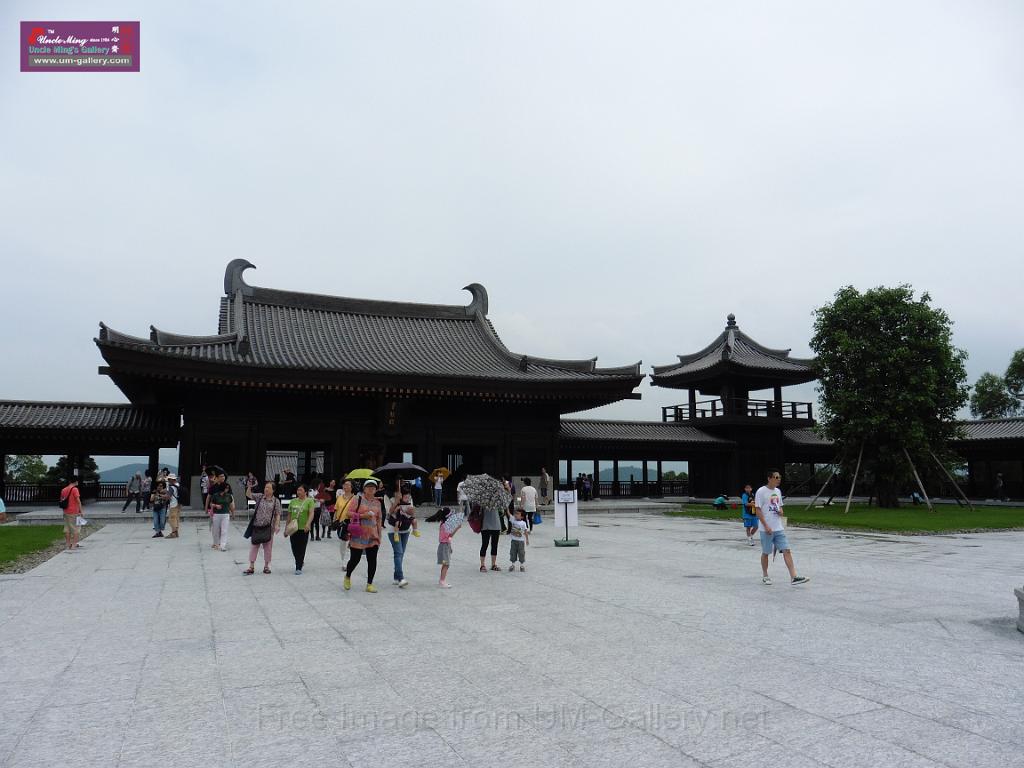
72	510
768	507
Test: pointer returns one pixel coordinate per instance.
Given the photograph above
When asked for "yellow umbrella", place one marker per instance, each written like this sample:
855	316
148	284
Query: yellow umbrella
442	472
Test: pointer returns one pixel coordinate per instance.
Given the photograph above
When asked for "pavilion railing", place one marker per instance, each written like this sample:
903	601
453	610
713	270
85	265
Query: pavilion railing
738	406
49	493
632	489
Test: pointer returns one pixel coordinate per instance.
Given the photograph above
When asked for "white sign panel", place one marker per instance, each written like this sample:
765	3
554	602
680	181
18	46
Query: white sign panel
565	506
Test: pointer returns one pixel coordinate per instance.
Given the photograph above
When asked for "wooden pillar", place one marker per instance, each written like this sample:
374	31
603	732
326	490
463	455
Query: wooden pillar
646	491
595	489
3	473
693	404
778	401
615	477
569	479
661	488
154	462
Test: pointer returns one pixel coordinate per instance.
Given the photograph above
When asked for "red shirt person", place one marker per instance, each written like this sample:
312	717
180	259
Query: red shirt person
72	509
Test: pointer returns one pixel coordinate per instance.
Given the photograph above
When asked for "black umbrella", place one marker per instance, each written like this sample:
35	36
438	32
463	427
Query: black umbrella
404	467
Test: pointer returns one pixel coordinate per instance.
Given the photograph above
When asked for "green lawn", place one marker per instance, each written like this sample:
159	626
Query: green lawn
945	519
18	540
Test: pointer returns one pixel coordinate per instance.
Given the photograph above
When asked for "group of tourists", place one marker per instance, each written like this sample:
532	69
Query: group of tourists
362	515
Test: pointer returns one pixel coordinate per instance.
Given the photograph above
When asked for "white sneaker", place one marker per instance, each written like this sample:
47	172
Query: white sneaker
444	585
751	541
403	583
394	582
766	580
224	548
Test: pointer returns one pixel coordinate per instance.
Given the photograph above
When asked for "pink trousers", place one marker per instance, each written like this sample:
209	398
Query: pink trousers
254	549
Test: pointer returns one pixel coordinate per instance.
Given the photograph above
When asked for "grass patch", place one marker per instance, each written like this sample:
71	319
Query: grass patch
947	518
19	540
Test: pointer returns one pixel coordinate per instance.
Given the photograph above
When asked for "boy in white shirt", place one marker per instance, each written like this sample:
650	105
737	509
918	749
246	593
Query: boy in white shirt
520	535
768	507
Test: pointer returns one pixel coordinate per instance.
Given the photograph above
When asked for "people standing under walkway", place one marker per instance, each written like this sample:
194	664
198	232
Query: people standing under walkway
364	511
133	492
220	506
768	507
301	511
159	498
71	503
545	483
204	485
749	516
490	530
267	513
173	504
529	496
147	488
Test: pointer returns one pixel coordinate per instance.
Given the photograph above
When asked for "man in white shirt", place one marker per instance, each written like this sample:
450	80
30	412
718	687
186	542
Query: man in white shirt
768	507
529	496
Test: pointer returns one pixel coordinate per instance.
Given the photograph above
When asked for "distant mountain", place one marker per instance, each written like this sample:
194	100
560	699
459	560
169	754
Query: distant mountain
124	473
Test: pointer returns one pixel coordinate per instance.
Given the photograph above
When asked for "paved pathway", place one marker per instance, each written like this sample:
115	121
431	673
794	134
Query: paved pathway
652	644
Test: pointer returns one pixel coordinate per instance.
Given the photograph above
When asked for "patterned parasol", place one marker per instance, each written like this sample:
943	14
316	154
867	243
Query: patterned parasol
487	491
454	520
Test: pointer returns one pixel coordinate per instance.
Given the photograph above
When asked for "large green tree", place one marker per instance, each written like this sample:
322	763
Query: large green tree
889	379
62	470
1014	377
25	468
992	399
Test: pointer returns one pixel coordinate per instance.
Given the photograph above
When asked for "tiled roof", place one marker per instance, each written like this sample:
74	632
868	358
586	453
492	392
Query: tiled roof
982	430
16	415
994	429
267	328
735	349
586	430
806	436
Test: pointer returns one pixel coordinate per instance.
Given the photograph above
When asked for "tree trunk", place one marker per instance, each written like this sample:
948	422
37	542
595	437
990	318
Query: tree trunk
887	495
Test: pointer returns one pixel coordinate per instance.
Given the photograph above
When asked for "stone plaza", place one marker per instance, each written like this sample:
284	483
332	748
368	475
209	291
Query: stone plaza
652	644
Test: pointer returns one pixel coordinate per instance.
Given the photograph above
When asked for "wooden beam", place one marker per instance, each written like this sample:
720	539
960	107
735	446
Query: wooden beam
918	478
853	485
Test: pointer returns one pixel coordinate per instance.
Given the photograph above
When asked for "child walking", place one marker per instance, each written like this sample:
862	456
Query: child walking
520	535
444	550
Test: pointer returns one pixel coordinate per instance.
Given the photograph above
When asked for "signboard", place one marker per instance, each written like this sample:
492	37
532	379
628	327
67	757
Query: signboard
566	508
79	46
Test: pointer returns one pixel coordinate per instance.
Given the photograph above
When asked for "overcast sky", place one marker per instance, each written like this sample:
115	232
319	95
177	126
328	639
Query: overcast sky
620	176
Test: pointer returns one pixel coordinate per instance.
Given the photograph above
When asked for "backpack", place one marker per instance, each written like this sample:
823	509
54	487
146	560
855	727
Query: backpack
65	500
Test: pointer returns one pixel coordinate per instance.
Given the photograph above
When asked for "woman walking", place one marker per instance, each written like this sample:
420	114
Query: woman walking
401	521
300	510
147	488
133	491
267	513
364	510
321	522
490	530
340	510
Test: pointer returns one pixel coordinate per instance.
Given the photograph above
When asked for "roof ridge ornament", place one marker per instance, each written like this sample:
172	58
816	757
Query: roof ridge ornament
233	281
730	321
479	303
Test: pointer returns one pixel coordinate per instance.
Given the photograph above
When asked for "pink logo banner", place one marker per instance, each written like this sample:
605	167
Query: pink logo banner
79	46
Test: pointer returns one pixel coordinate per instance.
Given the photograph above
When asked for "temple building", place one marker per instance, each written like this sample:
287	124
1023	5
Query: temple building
355	382
327	384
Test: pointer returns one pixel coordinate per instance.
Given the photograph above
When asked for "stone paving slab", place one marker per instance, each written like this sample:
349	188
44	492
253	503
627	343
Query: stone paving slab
652	644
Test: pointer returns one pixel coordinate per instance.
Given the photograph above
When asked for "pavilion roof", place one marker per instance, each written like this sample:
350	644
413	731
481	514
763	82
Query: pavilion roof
121	417
734	354
606	431
338	338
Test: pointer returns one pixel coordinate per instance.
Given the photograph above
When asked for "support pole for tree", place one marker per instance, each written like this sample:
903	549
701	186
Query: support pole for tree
918	478
956	485
856	474
835	468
